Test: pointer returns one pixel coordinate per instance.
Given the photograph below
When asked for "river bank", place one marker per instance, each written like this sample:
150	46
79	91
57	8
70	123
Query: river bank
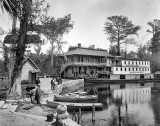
37	115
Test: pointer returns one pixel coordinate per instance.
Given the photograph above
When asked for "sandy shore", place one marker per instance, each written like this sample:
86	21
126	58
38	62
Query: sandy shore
35	116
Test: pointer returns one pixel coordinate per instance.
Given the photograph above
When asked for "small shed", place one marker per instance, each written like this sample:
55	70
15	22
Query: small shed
157	75
29	71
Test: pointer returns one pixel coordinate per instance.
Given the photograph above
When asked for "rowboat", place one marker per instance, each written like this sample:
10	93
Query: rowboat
3	92
74	98
75	106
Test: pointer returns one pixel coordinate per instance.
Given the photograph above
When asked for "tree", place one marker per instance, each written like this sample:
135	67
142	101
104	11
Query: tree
118	28
154	45
24	11
155	26
112	50
54	29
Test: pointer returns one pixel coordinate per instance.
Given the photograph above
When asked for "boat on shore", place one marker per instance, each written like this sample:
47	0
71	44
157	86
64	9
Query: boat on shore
75	106
75	98
3	93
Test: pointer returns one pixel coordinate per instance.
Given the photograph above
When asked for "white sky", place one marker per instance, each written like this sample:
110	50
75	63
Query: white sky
90	15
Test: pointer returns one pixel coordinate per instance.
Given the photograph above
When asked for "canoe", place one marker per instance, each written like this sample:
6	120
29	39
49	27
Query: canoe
74	98
75	106
3	91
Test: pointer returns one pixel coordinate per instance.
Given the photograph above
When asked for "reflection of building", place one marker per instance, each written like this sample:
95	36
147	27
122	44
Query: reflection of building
29	71
133	95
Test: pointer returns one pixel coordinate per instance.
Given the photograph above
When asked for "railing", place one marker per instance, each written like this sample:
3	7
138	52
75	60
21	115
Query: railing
105	72
87	64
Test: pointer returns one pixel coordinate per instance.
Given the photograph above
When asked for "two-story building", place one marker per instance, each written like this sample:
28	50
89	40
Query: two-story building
81	62
130	69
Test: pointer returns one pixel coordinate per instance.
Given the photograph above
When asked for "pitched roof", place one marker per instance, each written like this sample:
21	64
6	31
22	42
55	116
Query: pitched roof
87	51
33	63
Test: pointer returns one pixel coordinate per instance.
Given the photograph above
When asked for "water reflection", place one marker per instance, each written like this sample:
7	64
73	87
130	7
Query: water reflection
125	104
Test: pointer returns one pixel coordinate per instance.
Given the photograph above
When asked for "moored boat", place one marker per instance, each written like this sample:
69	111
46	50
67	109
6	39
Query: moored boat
3	92
75	106
74	98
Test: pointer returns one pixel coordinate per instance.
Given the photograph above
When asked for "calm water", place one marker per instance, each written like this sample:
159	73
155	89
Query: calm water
125	104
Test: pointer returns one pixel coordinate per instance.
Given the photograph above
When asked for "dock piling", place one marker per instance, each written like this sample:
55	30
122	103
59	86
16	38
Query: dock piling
79	116
93	113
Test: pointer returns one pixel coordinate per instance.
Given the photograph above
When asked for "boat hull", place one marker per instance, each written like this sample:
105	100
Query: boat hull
75	106
75	98
90	81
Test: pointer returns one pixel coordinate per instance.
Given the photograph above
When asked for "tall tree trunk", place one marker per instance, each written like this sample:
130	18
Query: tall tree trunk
52	49
118	45
20	50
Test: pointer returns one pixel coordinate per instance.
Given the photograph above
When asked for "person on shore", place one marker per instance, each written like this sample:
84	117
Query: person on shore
38	94
38	81
59	80
53	83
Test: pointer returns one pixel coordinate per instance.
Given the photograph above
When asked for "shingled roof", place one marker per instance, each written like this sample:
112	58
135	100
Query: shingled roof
88	51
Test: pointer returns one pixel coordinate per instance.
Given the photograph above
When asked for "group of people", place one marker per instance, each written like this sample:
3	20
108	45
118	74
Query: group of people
37	93
55	81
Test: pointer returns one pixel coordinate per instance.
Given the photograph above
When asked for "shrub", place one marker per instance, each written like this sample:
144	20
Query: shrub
25	82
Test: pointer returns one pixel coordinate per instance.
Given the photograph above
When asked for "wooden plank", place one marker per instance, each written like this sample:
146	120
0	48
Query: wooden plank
13	108
1	103
6	105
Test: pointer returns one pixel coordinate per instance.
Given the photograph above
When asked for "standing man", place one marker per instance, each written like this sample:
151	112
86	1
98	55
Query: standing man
38	94
53	81
38	81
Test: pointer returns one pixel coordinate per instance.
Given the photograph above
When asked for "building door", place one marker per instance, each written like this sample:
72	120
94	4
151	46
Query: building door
33	78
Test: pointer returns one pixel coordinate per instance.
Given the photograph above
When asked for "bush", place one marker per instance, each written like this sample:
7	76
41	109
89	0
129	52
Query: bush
5	84
25	82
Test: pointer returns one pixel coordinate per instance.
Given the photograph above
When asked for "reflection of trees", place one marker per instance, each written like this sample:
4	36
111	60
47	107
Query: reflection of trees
122	119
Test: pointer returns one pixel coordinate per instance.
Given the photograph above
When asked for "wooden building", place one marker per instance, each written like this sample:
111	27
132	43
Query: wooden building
29	71
81	62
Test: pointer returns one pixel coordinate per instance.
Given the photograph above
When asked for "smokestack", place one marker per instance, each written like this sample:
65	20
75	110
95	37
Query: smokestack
125	55
79	44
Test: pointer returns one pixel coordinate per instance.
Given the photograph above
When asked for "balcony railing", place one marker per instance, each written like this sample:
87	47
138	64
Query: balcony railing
105	72
87	64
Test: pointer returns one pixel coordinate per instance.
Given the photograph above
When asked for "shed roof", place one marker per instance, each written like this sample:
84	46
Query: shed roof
157	72
33	63
88	51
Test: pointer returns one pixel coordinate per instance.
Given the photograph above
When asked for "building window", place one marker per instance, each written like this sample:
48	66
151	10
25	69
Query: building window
148	69
139	69
136	62
124	62
132	69
116	69
128	62
136	69
132	62
129	69
121	69
125	69
139	63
